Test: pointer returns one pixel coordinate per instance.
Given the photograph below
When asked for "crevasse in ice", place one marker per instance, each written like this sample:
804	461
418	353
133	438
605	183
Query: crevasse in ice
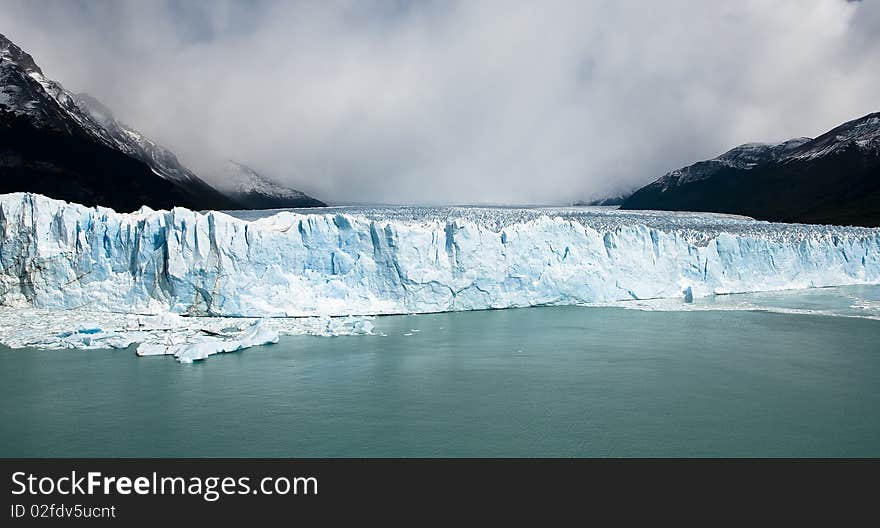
358	261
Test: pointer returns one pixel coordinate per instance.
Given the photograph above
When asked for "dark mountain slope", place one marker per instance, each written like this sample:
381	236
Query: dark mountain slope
256	191
77	169
51	143
834	179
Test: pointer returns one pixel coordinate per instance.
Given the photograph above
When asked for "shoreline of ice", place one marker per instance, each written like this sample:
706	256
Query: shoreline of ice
833	301
187	339
190	339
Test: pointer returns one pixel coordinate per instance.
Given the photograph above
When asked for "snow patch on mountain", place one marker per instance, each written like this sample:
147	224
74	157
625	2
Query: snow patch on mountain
257	191
862	134
25	90
124	138
744	156
236	177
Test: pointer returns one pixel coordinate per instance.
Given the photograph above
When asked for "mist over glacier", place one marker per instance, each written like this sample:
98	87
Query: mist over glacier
358	261
458	101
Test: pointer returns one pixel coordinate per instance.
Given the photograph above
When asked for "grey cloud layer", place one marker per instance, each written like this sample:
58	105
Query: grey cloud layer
472	101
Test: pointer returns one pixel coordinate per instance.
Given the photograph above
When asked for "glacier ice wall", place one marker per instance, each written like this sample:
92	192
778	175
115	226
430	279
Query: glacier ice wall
59	255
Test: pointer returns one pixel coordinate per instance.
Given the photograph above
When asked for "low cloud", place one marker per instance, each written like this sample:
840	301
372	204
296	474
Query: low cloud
464	102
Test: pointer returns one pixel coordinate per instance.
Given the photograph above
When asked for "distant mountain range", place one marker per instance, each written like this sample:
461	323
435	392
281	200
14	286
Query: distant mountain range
832	179
616	199
70	146
255	191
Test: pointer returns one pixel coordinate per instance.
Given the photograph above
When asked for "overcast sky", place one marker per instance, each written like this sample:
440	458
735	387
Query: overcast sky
460	102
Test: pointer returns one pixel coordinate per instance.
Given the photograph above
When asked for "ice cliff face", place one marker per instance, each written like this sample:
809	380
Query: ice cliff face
59	255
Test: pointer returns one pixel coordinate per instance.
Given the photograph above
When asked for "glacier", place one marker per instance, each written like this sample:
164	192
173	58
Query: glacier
371	261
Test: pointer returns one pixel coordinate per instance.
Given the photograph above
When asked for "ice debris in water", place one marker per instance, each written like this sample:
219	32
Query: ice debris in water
188	352
186	338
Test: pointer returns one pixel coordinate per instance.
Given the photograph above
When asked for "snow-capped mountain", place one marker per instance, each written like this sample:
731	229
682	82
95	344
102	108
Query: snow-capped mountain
614	199
256	191
834	178
861	135
745	157
24	91
133	143
71	147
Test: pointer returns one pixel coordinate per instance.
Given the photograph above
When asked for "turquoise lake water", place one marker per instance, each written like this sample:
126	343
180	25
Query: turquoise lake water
567	381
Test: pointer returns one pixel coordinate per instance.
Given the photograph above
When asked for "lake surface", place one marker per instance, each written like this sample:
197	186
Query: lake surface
566	381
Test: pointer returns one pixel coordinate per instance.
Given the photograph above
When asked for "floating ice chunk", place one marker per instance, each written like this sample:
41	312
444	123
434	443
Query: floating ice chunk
363	327
152	349
201	350
190	338
201	347
257	335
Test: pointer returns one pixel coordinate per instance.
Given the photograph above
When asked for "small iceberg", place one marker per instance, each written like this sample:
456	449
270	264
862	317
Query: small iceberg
256	335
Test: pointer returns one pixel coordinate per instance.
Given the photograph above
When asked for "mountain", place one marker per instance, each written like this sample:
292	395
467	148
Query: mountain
616	199
832	179
133	143
70	147
255	191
